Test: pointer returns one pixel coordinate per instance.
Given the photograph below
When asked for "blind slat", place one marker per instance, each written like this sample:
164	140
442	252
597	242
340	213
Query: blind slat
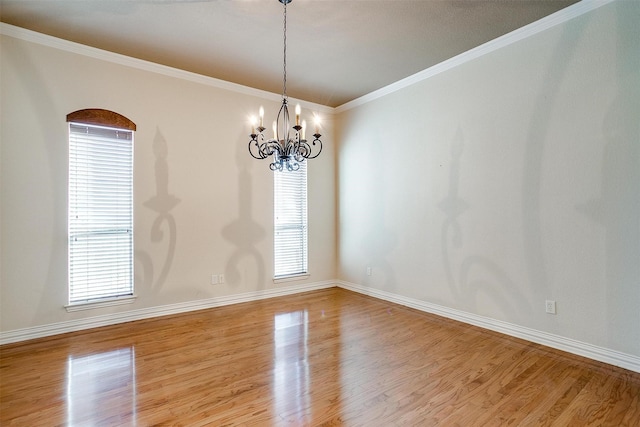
100	212
290	217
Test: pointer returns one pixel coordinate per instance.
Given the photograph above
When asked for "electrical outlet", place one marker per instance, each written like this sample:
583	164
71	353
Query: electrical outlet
550	306
221	278
368	271
214	279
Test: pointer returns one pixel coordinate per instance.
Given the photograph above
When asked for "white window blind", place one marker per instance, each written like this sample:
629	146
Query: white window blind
100	212
290	214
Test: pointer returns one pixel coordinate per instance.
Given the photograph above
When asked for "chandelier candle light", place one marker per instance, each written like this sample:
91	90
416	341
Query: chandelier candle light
288	149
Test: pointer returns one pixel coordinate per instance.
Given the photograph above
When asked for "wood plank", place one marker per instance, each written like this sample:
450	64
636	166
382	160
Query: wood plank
323	358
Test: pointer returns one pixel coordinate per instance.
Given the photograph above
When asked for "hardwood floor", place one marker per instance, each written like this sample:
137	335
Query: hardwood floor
323	358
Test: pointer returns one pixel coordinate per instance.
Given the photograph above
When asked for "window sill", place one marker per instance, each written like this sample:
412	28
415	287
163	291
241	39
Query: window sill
107	302
291	278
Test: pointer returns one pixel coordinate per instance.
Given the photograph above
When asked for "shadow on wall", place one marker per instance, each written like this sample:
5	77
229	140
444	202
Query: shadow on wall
379	241
162	203
42	105
244	233
539	127
464	288
617	209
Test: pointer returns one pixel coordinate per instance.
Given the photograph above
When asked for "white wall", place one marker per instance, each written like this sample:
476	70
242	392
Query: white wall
203	206
508	180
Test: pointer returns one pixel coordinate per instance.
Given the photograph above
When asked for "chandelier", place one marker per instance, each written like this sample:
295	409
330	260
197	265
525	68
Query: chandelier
289	146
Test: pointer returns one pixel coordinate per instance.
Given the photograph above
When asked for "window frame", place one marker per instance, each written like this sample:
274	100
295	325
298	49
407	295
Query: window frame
99	118
295	192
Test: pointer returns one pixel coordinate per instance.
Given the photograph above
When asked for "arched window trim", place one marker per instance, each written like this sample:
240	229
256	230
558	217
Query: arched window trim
100	117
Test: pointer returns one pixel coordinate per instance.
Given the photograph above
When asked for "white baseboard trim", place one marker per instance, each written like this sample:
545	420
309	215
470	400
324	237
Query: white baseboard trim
569	345
146	313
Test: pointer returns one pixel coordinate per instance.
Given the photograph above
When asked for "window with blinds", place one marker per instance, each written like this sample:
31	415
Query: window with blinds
100	213
290	218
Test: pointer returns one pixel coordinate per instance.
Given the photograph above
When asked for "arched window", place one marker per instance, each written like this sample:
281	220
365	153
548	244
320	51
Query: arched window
100	208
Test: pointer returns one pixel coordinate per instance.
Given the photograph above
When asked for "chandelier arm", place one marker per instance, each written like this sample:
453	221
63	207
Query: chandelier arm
292	148
303	150
292	167
306	149
271	147
316	141
298	157
254	142
263	148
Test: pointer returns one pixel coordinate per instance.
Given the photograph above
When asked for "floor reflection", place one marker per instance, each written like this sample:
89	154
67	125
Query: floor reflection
102	382
291	372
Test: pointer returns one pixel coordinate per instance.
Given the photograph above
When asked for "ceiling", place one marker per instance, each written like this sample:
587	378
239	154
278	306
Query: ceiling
337	51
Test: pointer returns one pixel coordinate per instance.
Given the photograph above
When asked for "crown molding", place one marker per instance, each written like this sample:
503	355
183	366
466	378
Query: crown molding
140	64
560	17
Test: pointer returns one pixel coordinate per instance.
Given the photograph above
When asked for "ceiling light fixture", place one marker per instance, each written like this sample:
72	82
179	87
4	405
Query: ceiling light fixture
287	151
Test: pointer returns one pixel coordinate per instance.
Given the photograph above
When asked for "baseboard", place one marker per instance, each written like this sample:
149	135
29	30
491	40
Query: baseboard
569	345
146	313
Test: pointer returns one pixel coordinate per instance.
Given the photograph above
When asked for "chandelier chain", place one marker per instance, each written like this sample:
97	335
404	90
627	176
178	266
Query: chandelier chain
284	62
